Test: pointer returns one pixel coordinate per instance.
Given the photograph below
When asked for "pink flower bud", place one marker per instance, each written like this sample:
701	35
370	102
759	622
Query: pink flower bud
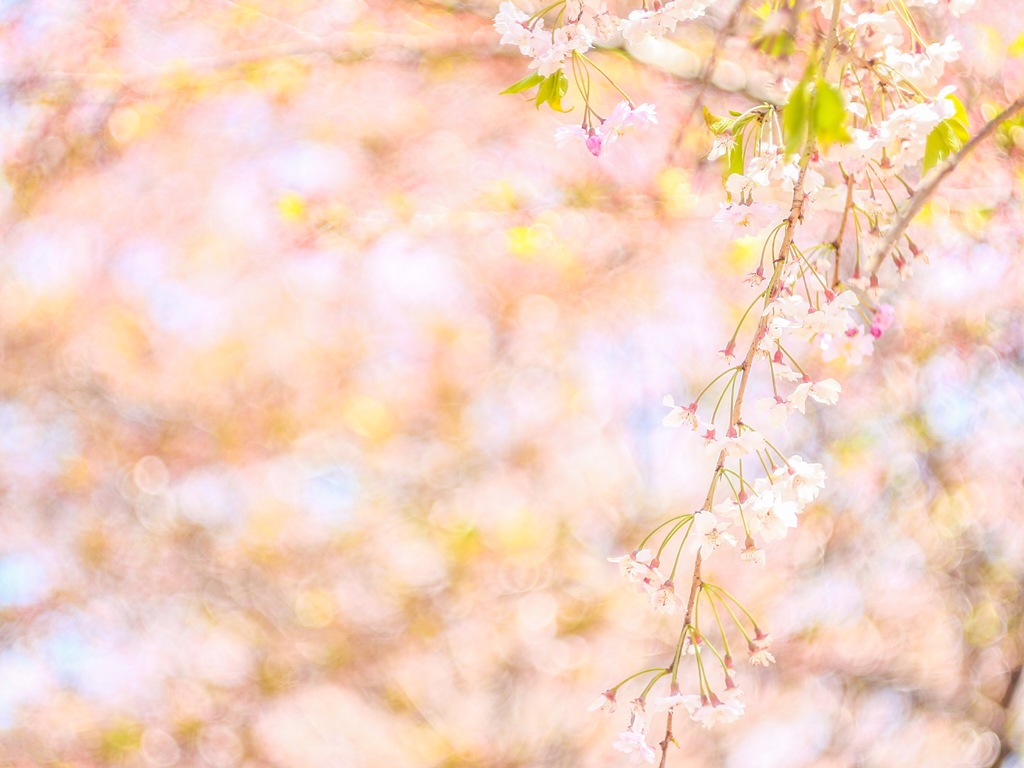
882	319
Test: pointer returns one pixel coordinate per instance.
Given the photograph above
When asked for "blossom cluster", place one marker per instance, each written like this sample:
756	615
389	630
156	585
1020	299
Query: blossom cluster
587	22
580	26
866	119
596	139
548	49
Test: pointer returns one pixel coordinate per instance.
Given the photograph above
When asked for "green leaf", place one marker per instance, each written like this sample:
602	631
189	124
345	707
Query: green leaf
934	147
959	122
795	118
711	121
940	144
547	87
734	158
525	84
829	118
559	90
778	44
947	137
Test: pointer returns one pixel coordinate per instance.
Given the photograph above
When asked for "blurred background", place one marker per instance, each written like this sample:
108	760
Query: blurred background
327	386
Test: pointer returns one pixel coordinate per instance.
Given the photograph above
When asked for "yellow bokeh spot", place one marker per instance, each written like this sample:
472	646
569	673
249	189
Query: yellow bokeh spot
527	242
975	220
179	75
676	195
124	124
265	523
281	77
538	243
76	474
403	206
122	335
1017	136
520	531
1016	48
429	744
743	253
292	207
950	514
501	196
315	608
244	13
368	418
984	625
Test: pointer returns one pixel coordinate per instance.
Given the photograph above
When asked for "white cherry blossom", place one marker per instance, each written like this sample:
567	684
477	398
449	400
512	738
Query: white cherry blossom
725	710
635	745
712	532
679	415
825	392
746	219
769	514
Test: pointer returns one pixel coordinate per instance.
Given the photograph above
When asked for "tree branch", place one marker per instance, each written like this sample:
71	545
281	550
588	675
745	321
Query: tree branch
932	181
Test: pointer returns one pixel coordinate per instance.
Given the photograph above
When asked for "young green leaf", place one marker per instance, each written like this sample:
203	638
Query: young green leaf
940	144
734	158
795	118
525	84
778	44
829	119
959	122
711	121
559	90
547	87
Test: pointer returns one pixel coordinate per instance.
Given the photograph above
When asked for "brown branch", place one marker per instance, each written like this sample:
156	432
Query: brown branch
391	48
932	181
838	242
704	79
669	739
694	587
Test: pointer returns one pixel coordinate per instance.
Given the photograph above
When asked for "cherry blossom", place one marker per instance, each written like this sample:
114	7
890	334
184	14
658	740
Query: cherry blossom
727	709
770	514
679	415
603	703
736	443
759	653
825	391
634	744
741	220
713	532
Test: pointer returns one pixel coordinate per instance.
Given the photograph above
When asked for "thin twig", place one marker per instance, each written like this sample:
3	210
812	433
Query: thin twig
838	242
932	181
704	79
